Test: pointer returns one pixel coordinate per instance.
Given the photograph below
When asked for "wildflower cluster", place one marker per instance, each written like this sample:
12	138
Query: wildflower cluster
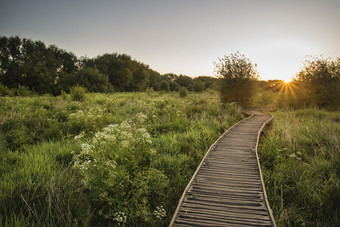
120	217
160	213
88	119
114	162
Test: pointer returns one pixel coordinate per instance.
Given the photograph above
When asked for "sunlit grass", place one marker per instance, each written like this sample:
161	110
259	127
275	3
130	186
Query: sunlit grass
301	161
41	140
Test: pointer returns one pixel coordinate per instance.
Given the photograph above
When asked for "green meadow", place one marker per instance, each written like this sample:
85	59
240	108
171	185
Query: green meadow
300	161
111	159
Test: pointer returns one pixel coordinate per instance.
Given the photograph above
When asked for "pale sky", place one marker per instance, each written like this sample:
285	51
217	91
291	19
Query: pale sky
183	36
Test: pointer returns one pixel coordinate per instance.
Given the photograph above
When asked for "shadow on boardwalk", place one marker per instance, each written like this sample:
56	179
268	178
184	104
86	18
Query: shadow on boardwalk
227	189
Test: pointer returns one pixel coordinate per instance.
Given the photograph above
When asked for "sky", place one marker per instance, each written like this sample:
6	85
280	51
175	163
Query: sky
183	36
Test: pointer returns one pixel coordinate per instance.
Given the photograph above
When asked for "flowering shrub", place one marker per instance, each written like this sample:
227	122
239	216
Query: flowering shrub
115	167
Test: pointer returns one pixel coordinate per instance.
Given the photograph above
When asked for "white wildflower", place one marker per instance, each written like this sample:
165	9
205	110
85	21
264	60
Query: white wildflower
146	135
111	163
141	117
126	135
120	217
141	130
292	155
81	135
125	143
86	148
125	125
160	212
149	141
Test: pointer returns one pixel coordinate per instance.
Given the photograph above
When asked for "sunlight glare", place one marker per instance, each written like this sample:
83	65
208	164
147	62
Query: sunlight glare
281	60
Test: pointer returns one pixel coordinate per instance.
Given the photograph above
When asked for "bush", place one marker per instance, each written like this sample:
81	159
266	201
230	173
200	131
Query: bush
4	90
198	86
165	86
78	93
183	92
22	91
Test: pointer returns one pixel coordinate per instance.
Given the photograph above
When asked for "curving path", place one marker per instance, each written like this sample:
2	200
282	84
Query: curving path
227	189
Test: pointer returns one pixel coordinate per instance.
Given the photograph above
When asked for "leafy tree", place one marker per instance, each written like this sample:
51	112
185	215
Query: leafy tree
88	78
238	74
140	78
165	86
155	80
209	82
30	63
322	78
173	86
10	58
124	73
184	81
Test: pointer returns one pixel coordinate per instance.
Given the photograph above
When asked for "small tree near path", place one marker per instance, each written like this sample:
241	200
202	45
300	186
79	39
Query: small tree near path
238	75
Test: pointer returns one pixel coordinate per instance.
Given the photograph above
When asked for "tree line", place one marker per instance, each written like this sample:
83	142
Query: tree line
317	84
31	66
48	69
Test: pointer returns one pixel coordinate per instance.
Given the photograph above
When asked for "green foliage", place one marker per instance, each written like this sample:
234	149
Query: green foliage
184	81
4	91
32	64
37	189
20	91
183	92
48	69
78	93
300	161
115	166
238	75
100	161
165	86
321	77
198	86
88	78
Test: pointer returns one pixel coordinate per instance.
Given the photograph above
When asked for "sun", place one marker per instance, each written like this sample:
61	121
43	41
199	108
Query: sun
287	81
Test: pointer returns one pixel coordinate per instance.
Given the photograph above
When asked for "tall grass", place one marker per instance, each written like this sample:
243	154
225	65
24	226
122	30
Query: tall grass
301	165
49	177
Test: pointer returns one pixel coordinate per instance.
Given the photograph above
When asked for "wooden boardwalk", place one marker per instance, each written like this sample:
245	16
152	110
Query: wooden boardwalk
227	188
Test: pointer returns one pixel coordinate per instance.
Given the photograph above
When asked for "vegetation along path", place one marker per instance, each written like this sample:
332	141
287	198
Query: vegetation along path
227	188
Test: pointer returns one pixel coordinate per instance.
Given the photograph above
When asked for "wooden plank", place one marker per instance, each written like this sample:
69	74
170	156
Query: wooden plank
227	188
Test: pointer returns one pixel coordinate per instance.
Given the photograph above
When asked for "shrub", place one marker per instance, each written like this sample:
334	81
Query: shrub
22	91
183	92
115	165
165	86
78	93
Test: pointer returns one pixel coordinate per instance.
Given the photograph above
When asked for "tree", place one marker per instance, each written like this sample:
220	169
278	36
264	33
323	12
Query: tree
88	78
238	74
184	81
322	78
30	63
165	86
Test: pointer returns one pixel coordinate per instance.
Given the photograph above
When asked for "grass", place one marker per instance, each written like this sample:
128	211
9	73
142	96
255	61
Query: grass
110	159
300	160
